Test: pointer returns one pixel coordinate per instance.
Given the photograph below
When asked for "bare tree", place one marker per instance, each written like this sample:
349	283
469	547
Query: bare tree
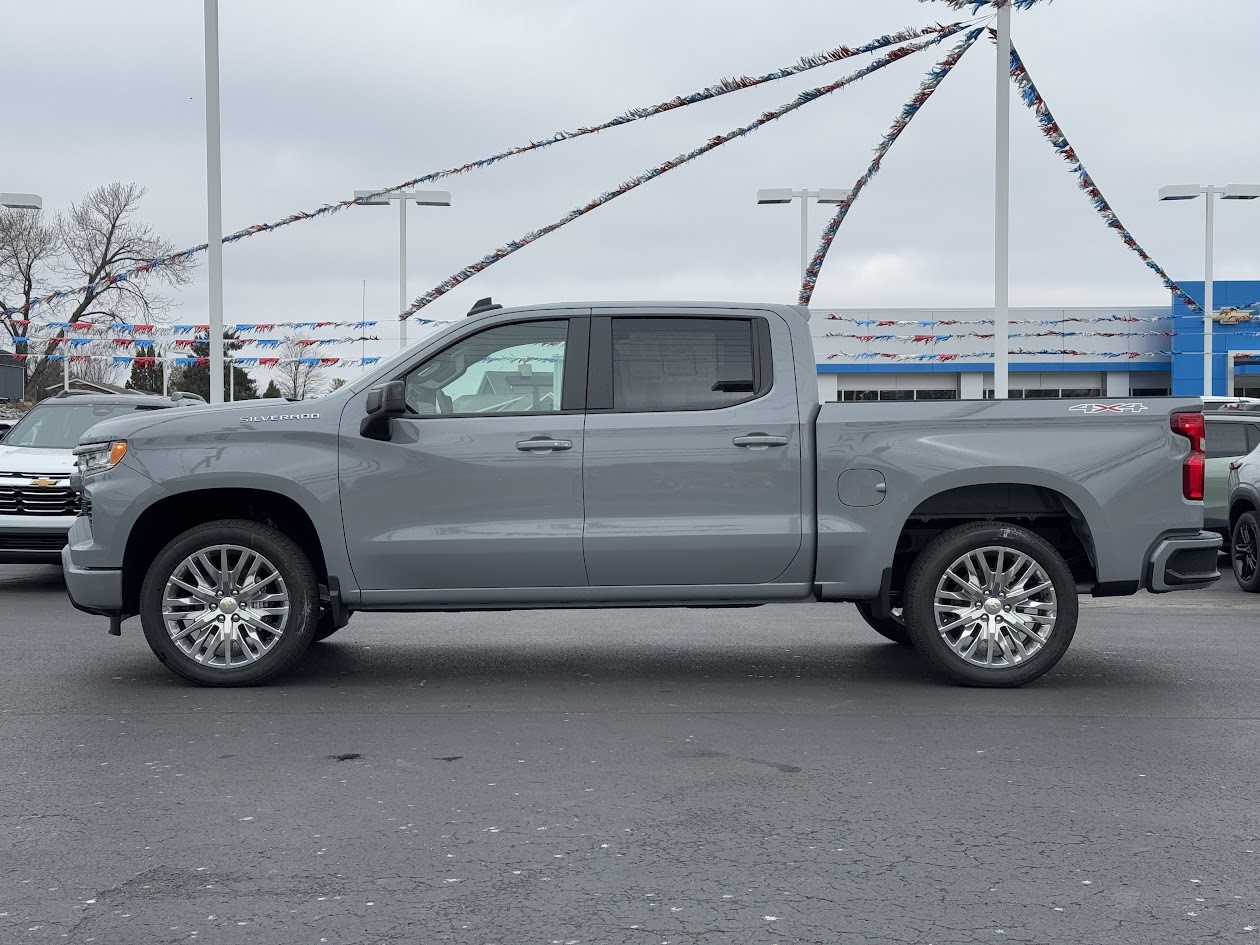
96	238
298	381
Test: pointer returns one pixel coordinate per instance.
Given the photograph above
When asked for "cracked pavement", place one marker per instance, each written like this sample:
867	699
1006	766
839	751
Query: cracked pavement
772	775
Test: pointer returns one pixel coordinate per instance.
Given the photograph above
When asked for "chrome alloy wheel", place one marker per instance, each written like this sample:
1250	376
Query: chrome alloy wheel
995	607
225	606
1244	550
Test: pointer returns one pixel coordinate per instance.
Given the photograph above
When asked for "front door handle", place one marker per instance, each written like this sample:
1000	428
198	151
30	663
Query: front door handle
759	441
543	444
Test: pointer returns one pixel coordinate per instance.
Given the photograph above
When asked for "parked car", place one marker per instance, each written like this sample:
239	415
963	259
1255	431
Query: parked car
632	455
1233	431
1244	520
37	504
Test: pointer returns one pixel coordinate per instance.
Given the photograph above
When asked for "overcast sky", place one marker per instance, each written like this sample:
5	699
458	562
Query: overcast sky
320	98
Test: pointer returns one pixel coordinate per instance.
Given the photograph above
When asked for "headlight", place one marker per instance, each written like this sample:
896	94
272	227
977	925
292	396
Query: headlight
99	457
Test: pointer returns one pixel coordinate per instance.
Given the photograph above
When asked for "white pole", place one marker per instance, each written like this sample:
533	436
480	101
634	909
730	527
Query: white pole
1207	295
231	382
65	365
214	201
402	270
1002	208
804	234
166	391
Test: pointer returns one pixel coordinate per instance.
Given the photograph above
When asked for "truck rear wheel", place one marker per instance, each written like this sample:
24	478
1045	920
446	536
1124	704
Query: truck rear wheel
229	603
893	627
991	604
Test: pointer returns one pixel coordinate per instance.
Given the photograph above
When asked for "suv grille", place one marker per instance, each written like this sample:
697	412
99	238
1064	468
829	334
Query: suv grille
37	500
32	542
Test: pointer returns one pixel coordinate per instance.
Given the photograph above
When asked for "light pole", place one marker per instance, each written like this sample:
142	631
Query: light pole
1002	209
214	201
1190	192
787	195
426	198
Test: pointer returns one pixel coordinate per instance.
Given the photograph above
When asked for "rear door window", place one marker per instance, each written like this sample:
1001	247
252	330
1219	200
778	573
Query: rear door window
688	363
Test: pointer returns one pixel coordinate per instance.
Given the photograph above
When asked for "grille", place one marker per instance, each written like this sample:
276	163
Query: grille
32	542
38	500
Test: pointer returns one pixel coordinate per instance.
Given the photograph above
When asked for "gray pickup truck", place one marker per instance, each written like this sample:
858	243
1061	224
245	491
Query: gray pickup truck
631	455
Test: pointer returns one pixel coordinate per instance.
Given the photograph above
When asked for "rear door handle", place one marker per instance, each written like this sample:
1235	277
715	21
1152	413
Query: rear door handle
543	444
759	441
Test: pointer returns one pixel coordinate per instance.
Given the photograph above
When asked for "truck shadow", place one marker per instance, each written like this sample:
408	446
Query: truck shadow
842	664
31	580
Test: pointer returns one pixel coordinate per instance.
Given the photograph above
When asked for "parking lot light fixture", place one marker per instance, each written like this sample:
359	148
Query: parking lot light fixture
425	198
21	201
831	195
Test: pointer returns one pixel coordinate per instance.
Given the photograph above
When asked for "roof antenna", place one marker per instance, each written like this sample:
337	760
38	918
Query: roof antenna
483	305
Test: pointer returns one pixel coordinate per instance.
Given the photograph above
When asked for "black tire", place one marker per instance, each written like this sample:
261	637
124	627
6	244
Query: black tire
290	633
1021	659
1245	552
892	627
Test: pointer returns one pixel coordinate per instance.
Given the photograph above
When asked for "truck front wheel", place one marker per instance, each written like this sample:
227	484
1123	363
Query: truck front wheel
229	603
991	604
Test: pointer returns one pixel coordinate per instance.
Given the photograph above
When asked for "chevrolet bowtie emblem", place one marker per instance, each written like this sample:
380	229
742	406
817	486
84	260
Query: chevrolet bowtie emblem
43	483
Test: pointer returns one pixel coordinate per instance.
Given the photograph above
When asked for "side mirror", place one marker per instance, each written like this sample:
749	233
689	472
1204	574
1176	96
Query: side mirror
384	403
5	427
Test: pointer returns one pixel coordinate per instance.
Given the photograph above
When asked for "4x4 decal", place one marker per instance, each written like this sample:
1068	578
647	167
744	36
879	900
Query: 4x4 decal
1090	409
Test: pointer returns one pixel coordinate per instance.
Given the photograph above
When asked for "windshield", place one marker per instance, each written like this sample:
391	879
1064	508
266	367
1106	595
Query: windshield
60	426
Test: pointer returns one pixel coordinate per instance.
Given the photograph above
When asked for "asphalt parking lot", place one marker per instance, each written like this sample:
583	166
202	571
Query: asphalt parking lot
775	775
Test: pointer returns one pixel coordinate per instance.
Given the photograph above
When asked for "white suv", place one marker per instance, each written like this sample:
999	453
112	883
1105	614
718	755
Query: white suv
37	505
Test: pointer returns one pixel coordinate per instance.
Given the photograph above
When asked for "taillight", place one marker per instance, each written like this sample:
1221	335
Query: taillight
1190	425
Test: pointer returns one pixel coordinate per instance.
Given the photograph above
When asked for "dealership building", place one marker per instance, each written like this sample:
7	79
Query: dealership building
946	354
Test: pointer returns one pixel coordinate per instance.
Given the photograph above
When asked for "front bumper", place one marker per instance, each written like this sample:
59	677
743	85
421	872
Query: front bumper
1184	563
94	590
33	539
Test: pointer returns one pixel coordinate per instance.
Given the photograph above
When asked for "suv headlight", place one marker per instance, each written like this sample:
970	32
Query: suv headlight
95	458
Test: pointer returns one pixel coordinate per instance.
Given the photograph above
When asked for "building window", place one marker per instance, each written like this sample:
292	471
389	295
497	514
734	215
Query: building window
858	396
1247	391
1048	393
1152	392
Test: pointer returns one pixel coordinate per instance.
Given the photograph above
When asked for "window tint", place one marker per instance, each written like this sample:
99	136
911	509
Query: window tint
59	426
683	363
1226	439
506	369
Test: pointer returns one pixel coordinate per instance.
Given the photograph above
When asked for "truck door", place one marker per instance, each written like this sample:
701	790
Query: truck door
692	465
481	482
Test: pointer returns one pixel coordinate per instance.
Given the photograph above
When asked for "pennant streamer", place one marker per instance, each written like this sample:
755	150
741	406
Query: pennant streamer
804	98
723	87
931	323
978	5
972	355
926	88
1054	134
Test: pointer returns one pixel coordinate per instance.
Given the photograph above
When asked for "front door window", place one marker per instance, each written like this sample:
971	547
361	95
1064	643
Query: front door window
509	369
